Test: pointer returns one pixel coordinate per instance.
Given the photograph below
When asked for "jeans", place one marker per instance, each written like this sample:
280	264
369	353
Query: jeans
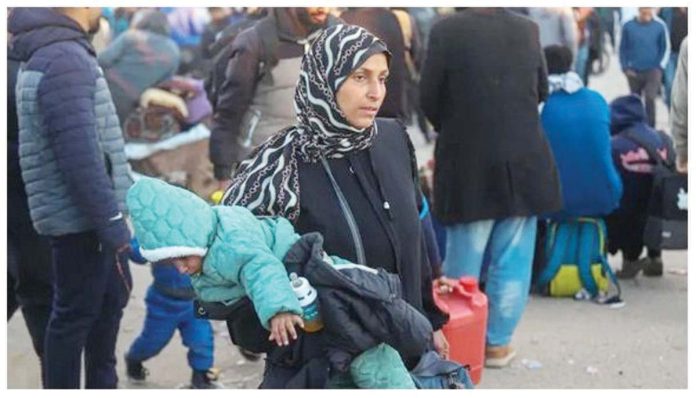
506	247
669	74
164	316
90	292
581	62
646	84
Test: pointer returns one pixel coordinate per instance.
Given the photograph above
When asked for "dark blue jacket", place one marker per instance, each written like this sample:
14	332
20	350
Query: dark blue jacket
170	282
644	46
633	162
577	127
70	143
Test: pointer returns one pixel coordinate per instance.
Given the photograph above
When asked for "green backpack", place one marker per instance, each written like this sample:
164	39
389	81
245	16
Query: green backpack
577	262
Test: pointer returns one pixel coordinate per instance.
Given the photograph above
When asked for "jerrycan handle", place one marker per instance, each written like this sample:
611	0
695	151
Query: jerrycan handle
467	286
464	287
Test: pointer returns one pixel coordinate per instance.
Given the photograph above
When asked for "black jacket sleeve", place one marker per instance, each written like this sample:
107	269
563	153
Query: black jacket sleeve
66	98
234	98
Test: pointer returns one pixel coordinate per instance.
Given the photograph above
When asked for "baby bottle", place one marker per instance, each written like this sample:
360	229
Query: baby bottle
307	296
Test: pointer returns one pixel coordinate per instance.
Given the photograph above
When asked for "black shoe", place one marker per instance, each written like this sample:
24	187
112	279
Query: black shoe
248	355
205	379
630	269
135	371
653	267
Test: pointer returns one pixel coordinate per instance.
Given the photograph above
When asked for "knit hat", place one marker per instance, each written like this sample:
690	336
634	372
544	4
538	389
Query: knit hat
169	222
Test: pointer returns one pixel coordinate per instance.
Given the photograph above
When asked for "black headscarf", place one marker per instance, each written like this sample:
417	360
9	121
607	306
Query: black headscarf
267	183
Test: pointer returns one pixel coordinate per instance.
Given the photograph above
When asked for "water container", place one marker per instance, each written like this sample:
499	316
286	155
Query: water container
307	296
466	329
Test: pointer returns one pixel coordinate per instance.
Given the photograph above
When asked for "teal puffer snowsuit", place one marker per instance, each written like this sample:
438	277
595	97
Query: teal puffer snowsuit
241	252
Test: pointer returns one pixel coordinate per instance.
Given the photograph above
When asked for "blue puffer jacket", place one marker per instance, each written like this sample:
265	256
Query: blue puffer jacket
70	142
577	127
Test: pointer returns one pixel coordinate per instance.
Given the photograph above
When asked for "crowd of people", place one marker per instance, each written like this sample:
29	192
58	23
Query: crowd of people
307	110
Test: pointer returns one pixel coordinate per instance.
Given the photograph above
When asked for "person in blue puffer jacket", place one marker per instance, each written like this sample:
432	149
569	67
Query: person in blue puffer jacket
626	224
170	307
75	174
576	123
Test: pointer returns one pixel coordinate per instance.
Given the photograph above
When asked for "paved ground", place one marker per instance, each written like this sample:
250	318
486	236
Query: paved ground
560	343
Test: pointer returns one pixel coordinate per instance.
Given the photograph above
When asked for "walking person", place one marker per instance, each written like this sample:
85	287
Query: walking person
676	20
76	176
481	84
255	99
346	174
644	52
170	307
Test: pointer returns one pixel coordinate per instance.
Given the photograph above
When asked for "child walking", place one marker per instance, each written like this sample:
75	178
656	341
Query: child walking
169	303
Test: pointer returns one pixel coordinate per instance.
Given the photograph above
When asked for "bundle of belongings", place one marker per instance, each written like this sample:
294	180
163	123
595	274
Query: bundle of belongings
171	107
371	335
368	334
167	136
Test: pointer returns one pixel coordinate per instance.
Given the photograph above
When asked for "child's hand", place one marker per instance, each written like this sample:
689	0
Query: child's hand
282	324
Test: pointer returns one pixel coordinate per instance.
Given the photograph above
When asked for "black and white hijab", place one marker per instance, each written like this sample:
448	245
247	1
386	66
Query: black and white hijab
267	183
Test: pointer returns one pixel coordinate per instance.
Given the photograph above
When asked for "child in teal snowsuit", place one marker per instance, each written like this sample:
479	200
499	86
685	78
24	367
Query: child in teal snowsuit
230	253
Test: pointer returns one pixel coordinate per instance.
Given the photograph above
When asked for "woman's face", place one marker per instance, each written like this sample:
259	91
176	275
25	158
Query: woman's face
362	94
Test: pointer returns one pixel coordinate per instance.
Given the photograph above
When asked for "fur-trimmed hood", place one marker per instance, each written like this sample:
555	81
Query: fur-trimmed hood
169	222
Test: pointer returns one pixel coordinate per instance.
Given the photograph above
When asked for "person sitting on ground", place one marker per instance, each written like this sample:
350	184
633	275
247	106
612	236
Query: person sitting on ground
626	224
230	253
576	123
142	57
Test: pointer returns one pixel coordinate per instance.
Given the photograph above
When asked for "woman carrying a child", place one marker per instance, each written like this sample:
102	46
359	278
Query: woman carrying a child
342	172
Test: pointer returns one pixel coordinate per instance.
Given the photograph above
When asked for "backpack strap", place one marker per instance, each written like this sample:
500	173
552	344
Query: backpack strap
268	35
649	147
615	299
556	245
586	241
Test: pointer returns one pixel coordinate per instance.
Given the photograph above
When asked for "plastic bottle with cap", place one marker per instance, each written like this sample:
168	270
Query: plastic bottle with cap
307	295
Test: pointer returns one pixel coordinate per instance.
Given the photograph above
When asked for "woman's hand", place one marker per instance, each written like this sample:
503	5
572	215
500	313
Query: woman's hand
282	324
441	344
444	285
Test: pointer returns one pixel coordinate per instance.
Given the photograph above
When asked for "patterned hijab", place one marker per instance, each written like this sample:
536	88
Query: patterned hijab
267	183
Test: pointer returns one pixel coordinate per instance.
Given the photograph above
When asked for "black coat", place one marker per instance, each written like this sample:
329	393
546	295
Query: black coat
382	23
360	307
252	54
392	239
481	84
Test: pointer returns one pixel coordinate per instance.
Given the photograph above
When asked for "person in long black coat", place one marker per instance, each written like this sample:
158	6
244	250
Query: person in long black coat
483	78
